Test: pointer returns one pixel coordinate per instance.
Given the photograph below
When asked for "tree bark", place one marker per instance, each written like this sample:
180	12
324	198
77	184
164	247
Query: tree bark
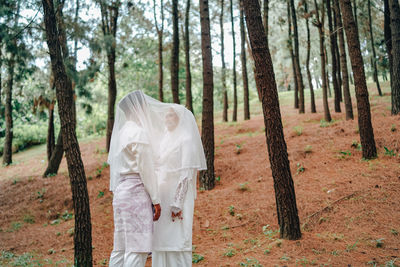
51	142
375	69
343	64
188	85
265	17
109	19
265	79
82	233
160	33
313	108
333	43
7	150
246	103
297	58
175	53
207	177
223	70
320	24
235	103
290	45
337	53
357	64
388	43
395	34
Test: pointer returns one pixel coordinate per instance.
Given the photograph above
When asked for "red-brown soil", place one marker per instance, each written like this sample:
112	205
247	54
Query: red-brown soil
348	207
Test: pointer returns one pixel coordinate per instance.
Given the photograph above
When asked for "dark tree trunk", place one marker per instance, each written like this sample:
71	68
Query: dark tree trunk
160	33
288	218
51	140
175	53
337	53
109	18
313	108
56	157
223	71
319	24
357	64
234	114
388	43
395	34
82	232
327	73
244	67
355	13
333	42
188	85
375	69
76	37
7	150
297	58
207	177
345	73
265	17
290	45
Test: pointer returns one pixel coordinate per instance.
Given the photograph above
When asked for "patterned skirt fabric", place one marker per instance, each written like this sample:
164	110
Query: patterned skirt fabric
133	216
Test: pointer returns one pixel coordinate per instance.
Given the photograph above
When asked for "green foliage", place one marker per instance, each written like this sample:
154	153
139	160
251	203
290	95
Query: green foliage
196	258
389	152
394	232
40	194
238	148
66	216
379	242
300	168
231	210
244	186
308	149
355	144
28	218
250	262
230	253
268	232
351	247
298	130
393	128
100	194
324	123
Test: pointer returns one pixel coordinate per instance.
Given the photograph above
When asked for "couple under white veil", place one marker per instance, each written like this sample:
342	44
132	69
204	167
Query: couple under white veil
155	153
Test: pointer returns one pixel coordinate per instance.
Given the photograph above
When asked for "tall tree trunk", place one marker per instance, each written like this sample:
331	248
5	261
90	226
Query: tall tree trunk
207	177
327	73
345	73
175	53
188	85
388	43
288	218
223	71
320	24
7	150
51	142
395	34
357	64
235	101
109	19
297	58
337	53
246	103
265	17
290	45
355	13
56	157
375	69
313	108
80	198
76	37
160	33
333	42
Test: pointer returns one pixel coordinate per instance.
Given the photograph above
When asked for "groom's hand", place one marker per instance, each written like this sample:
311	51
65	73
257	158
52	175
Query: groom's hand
177	215
157	212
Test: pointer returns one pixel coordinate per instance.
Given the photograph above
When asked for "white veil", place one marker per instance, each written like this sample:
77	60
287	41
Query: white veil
144	116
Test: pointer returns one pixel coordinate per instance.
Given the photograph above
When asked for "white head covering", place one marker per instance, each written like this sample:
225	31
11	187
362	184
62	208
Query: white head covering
141	119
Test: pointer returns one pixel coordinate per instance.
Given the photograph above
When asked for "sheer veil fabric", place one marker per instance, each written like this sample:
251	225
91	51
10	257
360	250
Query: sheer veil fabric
137	110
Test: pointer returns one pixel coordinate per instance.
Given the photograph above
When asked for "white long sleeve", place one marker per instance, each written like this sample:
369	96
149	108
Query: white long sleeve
141	156
181	190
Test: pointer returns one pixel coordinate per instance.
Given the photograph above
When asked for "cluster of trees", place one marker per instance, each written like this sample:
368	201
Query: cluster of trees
124	38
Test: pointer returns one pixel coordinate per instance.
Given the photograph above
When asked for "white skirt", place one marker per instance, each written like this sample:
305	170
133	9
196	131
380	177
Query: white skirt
133	216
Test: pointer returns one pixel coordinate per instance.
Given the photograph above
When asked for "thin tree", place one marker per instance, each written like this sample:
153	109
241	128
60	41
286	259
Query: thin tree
395	33
244	63
290	46
109	19
388	43
357	64
375	69
319	23
297	58
175	53
235	101
207	177
337	53
288	218
80	198
223	70
11	62
333	44
188	85
343	63
312	96
160	33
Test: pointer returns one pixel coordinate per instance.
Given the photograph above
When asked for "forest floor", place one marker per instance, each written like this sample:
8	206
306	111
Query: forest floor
348	207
